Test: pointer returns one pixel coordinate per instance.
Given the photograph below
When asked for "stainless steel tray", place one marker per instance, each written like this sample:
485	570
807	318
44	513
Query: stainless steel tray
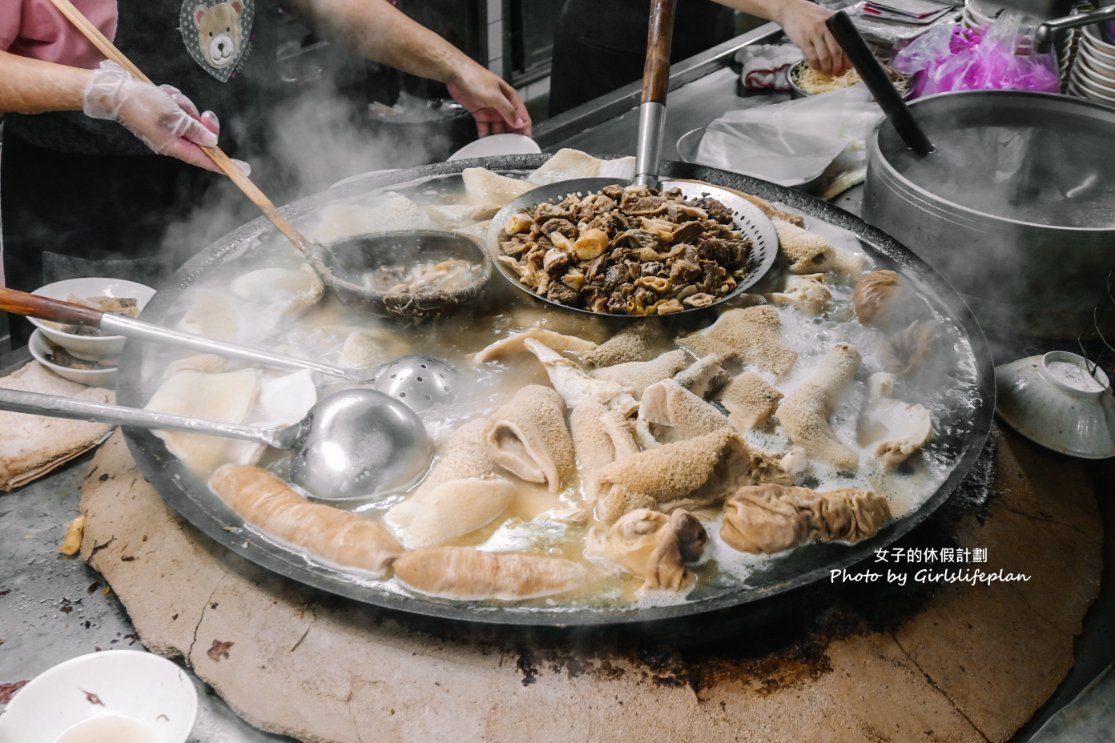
192	499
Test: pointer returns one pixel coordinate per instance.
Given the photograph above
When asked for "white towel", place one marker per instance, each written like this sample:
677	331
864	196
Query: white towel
765	65
33	445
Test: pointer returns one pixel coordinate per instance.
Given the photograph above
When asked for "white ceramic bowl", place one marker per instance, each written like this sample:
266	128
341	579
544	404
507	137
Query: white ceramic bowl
497	144
1094	40
90	346
1105	70
986	8
124	696
976	20
1094	55
1085	78
1093	95
1090	43
40	347
1055	401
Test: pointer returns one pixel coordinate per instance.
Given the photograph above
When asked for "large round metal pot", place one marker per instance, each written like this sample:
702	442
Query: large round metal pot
963	429
1016	207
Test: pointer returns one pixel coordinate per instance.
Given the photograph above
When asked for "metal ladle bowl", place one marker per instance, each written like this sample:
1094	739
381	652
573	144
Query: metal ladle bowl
344	264
357	444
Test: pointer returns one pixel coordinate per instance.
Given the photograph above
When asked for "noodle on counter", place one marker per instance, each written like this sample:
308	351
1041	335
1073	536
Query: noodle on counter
814	82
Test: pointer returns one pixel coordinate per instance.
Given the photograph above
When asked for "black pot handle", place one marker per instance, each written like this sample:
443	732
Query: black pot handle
878	82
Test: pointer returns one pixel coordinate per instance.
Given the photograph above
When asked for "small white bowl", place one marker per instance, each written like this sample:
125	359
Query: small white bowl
1055	401
985	8
90	346
1093	39
1094	55
39	347
1096	65
497	144
113	695
1097	82
1093	94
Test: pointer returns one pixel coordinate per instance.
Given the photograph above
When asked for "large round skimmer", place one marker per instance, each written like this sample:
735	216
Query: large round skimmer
749	220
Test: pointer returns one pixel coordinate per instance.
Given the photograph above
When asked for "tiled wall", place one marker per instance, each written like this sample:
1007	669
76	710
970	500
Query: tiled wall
495	36
532	93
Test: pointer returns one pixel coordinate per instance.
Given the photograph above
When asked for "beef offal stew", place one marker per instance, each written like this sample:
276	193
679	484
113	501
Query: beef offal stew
589	462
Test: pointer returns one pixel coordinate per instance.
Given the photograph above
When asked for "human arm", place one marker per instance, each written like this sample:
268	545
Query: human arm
161	117
804	22
378	31
33	86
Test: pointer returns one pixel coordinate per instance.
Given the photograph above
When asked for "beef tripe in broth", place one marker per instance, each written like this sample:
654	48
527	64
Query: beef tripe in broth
685	474
528	437
753	335
804	413
653	546
770	518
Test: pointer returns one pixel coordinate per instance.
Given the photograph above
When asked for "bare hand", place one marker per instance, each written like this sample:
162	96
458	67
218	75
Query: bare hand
804	23
492	102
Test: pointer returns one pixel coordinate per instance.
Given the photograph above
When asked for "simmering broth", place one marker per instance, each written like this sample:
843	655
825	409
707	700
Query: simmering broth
547	523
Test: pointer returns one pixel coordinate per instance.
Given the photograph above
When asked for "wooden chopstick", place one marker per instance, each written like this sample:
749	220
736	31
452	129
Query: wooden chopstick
216	154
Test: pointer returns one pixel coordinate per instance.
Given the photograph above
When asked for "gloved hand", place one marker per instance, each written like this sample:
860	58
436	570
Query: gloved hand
159	116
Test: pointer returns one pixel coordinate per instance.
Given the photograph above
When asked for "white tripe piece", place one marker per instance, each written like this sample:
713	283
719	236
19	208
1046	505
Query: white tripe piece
285	400
392	211
569	164
223	398
212	315
279	292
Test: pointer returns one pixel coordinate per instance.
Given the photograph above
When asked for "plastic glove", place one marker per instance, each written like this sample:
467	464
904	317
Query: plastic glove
159	116
492	102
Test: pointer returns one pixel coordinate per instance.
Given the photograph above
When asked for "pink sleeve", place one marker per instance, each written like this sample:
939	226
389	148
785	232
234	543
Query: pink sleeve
35	28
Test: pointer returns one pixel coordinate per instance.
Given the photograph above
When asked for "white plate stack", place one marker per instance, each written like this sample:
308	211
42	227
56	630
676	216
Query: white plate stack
1093	71
980	14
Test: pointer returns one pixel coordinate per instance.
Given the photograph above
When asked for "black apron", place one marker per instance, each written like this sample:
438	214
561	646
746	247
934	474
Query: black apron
601	45
82	197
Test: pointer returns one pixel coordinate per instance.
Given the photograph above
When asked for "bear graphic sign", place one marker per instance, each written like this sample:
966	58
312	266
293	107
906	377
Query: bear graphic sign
217	33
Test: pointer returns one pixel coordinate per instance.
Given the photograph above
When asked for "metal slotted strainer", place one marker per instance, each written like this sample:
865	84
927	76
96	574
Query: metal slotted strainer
422	383
750	222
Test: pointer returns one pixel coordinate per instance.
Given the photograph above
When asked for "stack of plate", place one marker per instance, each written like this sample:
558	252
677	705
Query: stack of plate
1093	71
980	14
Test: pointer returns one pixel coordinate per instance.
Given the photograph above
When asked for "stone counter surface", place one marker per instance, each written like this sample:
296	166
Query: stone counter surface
951	662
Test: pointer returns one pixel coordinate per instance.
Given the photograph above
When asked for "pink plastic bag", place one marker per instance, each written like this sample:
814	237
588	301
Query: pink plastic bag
954	58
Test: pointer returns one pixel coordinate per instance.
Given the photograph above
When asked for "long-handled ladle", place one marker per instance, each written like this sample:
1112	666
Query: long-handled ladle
325	262
421	382
216	154
68	313
354	444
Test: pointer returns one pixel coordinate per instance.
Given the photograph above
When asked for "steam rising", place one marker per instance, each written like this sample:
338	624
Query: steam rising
309	143
1019	217
323	138
1034	174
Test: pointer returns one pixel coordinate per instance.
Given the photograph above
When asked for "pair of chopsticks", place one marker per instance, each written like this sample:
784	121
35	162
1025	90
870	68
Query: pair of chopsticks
216	154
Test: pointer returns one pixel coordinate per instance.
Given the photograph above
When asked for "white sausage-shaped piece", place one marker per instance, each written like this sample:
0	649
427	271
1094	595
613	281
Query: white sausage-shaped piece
473	575
331	534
